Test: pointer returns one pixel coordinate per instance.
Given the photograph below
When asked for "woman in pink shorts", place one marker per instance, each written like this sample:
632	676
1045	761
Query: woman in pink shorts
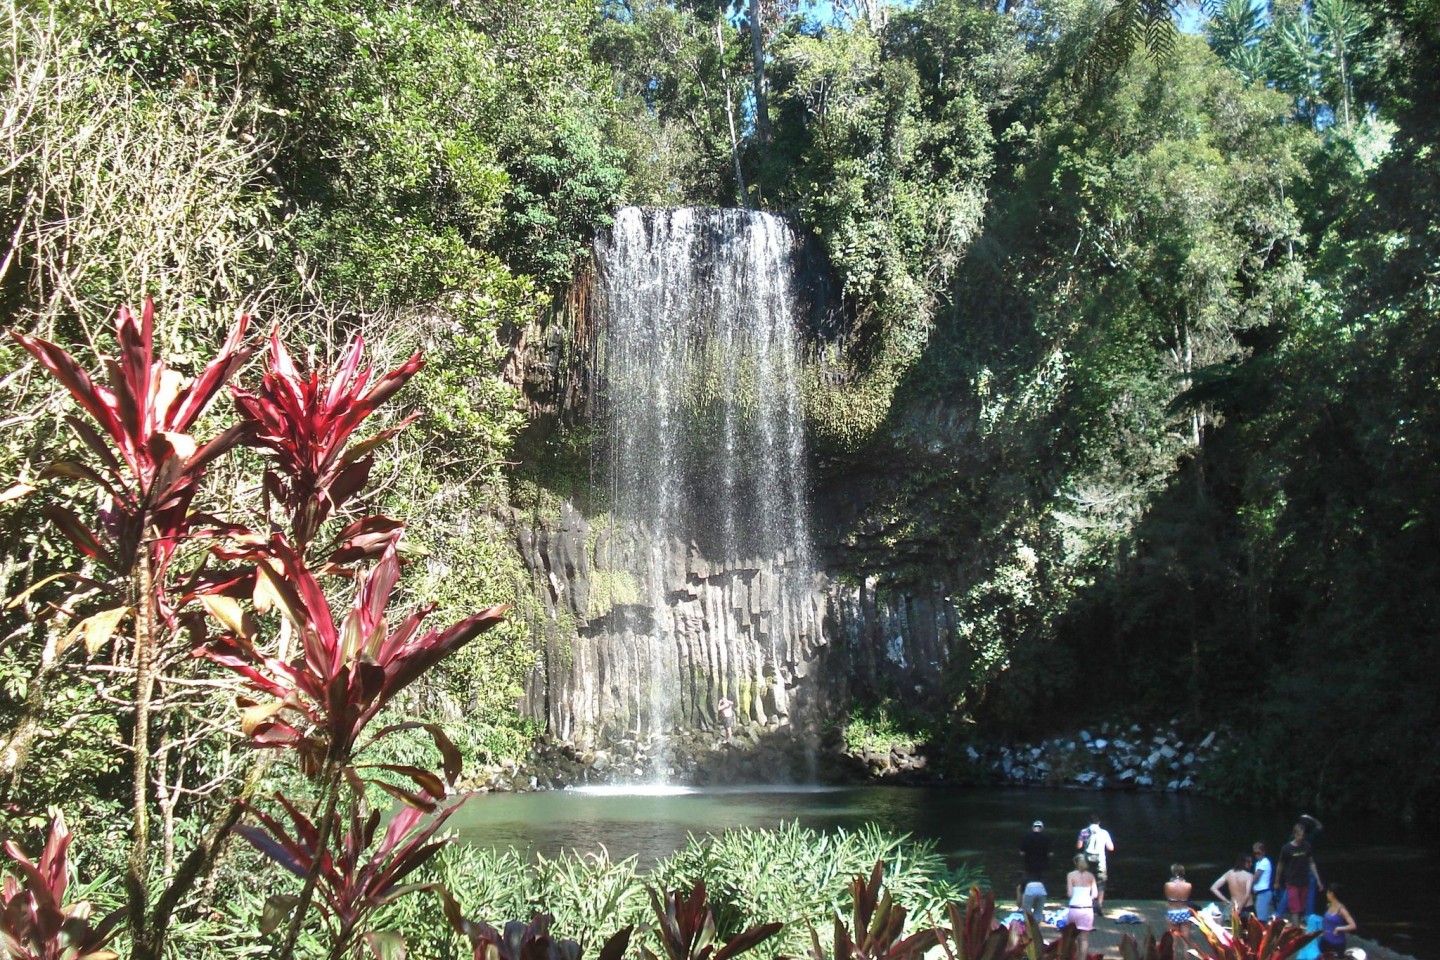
1082	888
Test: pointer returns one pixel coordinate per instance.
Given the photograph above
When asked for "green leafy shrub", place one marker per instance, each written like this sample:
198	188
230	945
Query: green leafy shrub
798	876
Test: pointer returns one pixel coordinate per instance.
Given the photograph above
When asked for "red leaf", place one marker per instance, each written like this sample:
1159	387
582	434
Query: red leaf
74	379
84	539
424	779
192	402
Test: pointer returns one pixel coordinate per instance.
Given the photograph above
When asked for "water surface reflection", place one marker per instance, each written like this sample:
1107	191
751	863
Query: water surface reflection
1385	869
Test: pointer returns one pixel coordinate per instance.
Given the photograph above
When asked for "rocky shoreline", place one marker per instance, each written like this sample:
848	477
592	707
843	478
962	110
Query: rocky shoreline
1108	756
1113	756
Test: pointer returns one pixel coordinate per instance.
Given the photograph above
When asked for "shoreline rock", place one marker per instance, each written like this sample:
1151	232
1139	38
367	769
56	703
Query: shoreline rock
1110	755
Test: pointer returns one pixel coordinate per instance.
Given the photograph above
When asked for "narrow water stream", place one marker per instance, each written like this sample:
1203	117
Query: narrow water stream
1386	870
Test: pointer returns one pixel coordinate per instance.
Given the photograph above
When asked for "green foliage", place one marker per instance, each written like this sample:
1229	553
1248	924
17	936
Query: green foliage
884	146
678	75
878	729
799	876
565	181
1319	55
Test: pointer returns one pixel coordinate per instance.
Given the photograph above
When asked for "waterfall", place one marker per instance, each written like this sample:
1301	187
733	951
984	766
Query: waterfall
702	455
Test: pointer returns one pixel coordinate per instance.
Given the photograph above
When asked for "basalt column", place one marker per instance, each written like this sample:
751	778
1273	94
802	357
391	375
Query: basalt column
702	581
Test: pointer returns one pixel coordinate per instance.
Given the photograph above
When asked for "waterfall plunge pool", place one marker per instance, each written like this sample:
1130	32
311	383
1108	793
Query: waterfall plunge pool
1386	869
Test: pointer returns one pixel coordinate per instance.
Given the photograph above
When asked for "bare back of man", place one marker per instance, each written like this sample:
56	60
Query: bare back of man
1239	884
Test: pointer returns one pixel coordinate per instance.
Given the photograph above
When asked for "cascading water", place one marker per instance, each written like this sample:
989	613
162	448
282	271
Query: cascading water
704	457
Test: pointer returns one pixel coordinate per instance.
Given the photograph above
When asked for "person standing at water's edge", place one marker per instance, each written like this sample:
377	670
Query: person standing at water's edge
1035	848
1264	888
1296	867
1239	883
1313	829
1082	889
1095	842
726	709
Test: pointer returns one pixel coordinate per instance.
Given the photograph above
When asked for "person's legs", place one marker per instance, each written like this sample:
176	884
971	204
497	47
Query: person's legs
1265	906
1083	921
1100	876
1295	903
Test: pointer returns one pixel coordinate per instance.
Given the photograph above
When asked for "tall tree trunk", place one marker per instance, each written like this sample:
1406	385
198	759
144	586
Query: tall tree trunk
334	772
730	114
15	750
757	56
137	883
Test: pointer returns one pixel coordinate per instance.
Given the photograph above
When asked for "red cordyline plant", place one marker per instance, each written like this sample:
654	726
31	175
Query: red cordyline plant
1151	949
1067	944
1254	940
305	423
347	671
525	941
147	463
355	874
36	923
878	925
149	468
974	932
685	926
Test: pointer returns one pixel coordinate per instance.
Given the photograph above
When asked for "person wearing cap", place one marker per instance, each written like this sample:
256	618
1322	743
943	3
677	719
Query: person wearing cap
1035	849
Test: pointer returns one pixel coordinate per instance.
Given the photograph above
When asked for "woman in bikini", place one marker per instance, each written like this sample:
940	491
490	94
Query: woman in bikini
1177	899
1082	889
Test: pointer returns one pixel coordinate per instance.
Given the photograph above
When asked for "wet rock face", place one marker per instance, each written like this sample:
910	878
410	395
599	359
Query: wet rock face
787	659
772	753
732	630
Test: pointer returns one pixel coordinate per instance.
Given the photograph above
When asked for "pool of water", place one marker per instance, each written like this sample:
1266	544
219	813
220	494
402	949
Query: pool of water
1385	869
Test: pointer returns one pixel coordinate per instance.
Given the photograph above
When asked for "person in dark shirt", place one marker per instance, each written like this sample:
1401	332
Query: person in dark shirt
1296	867
1035	849
1313	828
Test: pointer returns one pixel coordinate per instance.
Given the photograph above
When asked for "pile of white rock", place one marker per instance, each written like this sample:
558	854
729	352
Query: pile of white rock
1112	756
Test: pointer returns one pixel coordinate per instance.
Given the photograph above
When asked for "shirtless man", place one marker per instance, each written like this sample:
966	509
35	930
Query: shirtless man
1239	882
